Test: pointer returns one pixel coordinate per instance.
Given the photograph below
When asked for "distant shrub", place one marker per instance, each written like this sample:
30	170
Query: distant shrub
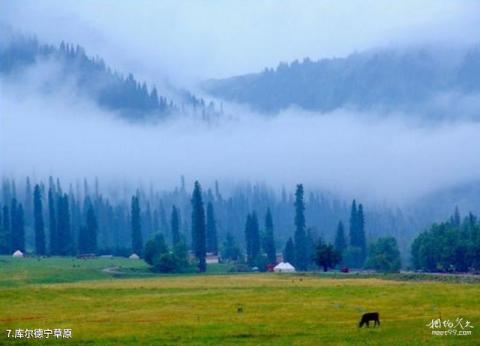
384	256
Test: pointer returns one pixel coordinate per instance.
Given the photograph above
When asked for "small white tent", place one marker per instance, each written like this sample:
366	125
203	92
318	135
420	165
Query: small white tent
284	267
17	253
134	256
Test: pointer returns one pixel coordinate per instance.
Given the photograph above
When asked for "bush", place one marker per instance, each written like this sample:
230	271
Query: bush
163	260
384	256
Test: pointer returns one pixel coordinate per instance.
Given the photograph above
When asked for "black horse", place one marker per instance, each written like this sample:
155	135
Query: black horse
370	316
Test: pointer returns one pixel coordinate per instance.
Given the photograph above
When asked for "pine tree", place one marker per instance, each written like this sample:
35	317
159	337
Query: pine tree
38	222
13	225
28	201
269	241
248	238
175	226
362	242
456	218
5	242
289	252
301	259
198	227
212	242
340	239
17	226
230	250
255	233
91	231
64	232
353	224
52	222
252	238
137	241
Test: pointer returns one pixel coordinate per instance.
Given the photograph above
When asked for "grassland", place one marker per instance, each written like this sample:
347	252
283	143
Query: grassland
139	308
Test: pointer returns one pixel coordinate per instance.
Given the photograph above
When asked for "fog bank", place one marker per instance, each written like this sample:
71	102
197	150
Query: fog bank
346	152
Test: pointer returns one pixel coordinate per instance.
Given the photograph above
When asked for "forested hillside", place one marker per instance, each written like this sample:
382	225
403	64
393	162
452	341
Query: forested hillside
95	80
389	79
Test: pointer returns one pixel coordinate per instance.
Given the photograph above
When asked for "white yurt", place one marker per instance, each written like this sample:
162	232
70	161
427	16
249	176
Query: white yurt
17	253
134	256
284	267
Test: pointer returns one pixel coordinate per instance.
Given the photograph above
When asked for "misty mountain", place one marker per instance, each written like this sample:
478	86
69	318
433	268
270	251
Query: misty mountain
94	79
386	79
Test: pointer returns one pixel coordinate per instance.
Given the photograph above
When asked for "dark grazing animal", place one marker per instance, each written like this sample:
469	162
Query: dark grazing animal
370	316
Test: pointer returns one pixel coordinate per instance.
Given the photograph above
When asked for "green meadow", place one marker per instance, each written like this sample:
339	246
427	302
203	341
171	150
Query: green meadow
125	304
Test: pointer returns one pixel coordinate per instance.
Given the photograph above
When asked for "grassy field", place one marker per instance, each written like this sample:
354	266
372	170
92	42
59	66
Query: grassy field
138	308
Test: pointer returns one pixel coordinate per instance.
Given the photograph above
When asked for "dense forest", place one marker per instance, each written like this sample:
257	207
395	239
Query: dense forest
67	214
95	80
387	79
251	225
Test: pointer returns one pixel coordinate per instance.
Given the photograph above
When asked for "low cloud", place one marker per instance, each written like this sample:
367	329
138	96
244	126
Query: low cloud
365	155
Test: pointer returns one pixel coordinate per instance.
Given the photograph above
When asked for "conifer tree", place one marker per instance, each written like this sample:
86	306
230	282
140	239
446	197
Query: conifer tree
52	222
5	242
136	226
353	224
301	259
175	226
362	242
340	239
198	227
40	248
248	237
269	241
64	232
255	233
212	242
92	229
358	241
28	210
289	252
17	226
252	238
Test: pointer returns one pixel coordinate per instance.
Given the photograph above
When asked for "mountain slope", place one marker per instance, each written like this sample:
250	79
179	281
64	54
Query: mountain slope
93	79
387	78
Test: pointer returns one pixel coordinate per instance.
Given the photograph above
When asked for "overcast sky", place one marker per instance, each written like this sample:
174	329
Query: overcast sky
191	40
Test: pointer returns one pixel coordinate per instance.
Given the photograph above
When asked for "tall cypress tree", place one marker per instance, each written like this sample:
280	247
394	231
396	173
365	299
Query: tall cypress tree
255	233
269	241
198	227
5	243
13	225
353	224
28	201
340	239
357	233
64	232
301	259
212	242
289	252
17	226
248	238
52	222
362	242
38	222
137	241
91	231
2	234
175	226
252	238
